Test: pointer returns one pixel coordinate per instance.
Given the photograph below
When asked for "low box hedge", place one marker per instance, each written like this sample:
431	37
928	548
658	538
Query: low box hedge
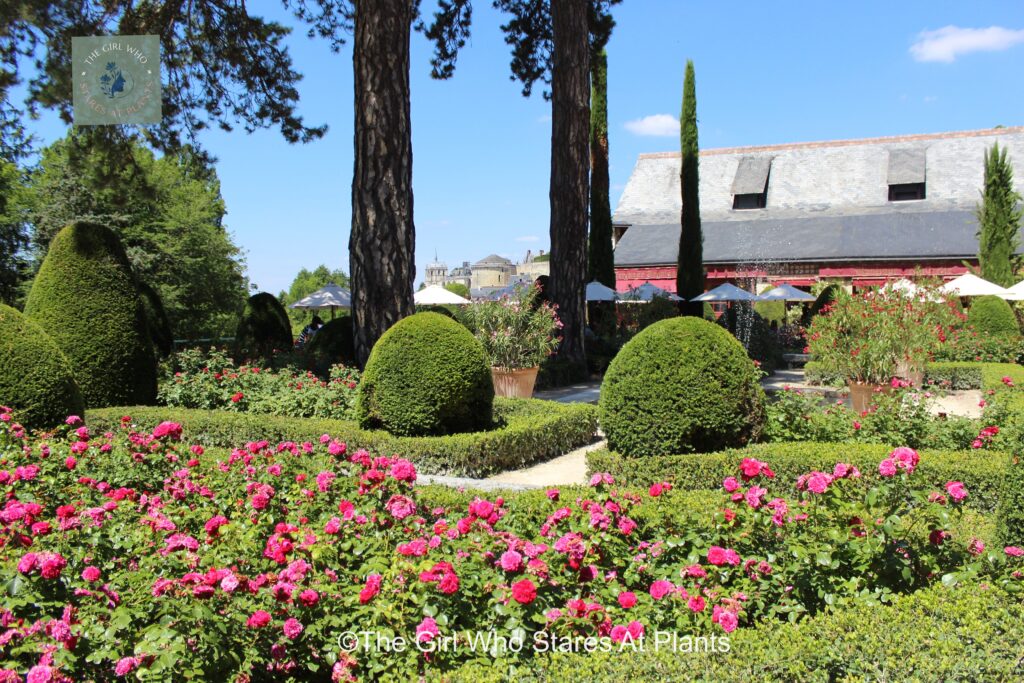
530	430
965	633
982	472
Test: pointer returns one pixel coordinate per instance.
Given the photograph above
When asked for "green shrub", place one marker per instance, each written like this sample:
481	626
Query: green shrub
332	344
527	431
772	311
86	299
427	375
990	315
709	312
157	322
970	632
754	333
35	377
1010	516
263	328
817	374
560	372
681	385
982	472
825	297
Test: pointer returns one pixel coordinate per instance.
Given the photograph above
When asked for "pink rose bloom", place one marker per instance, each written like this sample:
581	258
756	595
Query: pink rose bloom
754	495
91	574
171	430
309	597
371	588
726	619
716	555
400	507
906	458
229	583
976	547
511	561
553	494
627	599
635	630
449	583
1013	551
259	619
403	470
481	508
28	563
126	665
696	604
618	633
818	482
292	628
956	490
660	589
426	631
335	448
52	566
887	468
524	592
730	484
40	673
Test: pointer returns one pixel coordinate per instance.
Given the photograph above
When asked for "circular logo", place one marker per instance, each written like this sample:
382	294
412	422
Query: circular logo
116	83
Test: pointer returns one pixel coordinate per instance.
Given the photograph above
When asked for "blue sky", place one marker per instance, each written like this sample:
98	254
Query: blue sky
767	72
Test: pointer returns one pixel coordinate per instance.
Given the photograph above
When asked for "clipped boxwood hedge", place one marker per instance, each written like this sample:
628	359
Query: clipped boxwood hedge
681	385
1010	517
35	377
85	297
332	344
427	375
530	431
990	315
982	472
959	375
965	633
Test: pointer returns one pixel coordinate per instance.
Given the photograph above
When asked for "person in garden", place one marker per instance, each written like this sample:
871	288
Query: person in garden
308	331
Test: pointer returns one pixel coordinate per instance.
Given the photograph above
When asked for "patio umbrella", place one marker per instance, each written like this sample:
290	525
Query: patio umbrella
902	285
726	292
599	292
969	284
436	294
329	296
787	293
647	292
1017	292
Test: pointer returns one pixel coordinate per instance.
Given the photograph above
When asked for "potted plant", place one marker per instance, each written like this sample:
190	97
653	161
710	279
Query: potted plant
872	337
518	333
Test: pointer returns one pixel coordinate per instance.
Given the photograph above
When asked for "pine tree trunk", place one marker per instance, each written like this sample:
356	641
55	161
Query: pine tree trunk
570	169
602	259
383	238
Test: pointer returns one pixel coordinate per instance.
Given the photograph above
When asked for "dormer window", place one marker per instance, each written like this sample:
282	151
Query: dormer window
906	175
750	186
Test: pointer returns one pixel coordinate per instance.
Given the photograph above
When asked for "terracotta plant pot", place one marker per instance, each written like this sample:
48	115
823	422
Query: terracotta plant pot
516	383
862	395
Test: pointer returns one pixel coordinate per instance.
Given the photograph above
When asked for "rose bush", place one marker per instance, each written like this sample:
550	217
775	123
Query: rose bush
132	552
212	381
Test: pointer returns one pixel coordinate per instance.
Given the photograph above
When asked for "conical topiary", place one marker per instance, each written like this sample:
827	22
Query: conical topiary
157	323
35	378
263	328
85	298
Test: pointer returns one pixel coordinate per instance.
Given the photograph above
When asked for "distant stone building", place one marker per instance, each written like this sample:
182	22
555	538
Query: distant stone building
490	273
857	212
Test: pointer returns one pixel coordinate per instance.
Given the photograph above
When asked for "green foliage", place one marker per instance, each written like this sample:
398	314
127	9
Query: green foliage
755	334
305	283
212	381
772	311
263	328
1010	515
86	299
518	331
999	217
13	233
167	211
159	327
35	377
681	385
709	312
969	632
690	271
972	375
561	372
982	472
332	344
600	255
458	288
825	297
427	375
527	431
990	315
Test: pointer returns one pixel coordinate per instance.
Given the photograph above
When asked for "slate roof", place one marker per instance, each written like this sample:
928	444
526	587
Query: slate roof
825	200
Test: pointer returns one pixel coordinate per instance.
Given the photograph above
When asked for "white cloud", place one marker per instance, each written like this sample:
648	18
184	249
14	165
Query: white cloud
949	42
928	99
656	125
528	238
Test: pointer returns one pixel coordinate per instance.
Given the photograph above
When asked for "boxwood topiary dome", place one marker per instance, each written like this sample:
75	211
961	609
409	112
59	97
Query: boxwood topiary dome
263	328
332	344
35	377
85	298
426	375
992	315
682	385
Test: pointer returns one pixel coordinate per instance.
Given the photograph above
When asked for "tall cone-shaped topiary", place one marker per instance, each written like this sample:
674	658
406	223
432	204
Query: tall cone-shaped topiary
35	378
263	328
85	297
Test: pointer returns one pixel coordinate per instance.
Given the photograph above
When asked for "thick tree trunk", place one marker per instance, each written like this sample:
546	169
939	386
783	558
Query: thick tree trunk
383	239
570	169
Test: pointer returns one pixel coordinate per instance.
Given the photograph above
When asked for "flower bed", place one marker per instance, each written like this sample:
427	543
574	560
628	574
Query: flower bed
983	472
528	431
134	552
948	375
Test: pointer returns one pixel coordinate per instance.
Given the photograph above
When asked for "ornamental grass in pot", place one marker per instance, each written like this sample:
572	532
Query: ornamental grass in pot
518	332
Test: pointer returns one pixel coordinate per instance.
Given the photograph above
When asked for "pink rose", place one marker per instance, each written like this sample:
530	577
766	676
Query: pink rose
887	468
427	630
524	592
511	561
730	484
403	470
1013	551
661	588
400	507
91	574
126	665
371	588
292	628
956	490
259	619
627	599
696	604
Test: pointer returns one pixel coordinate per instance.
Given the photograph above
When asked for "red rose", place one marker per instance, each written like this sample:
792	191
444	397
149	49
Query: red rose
524	592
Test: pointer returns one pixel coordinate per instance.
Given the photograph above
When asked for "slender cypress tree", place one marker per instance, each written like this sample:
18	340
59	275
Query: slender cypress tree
690	270
601	263
998	220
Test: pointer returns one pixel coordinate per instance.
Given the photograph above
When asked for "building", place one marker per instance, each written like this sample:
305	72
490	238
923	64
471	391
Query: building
490	273
857	212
